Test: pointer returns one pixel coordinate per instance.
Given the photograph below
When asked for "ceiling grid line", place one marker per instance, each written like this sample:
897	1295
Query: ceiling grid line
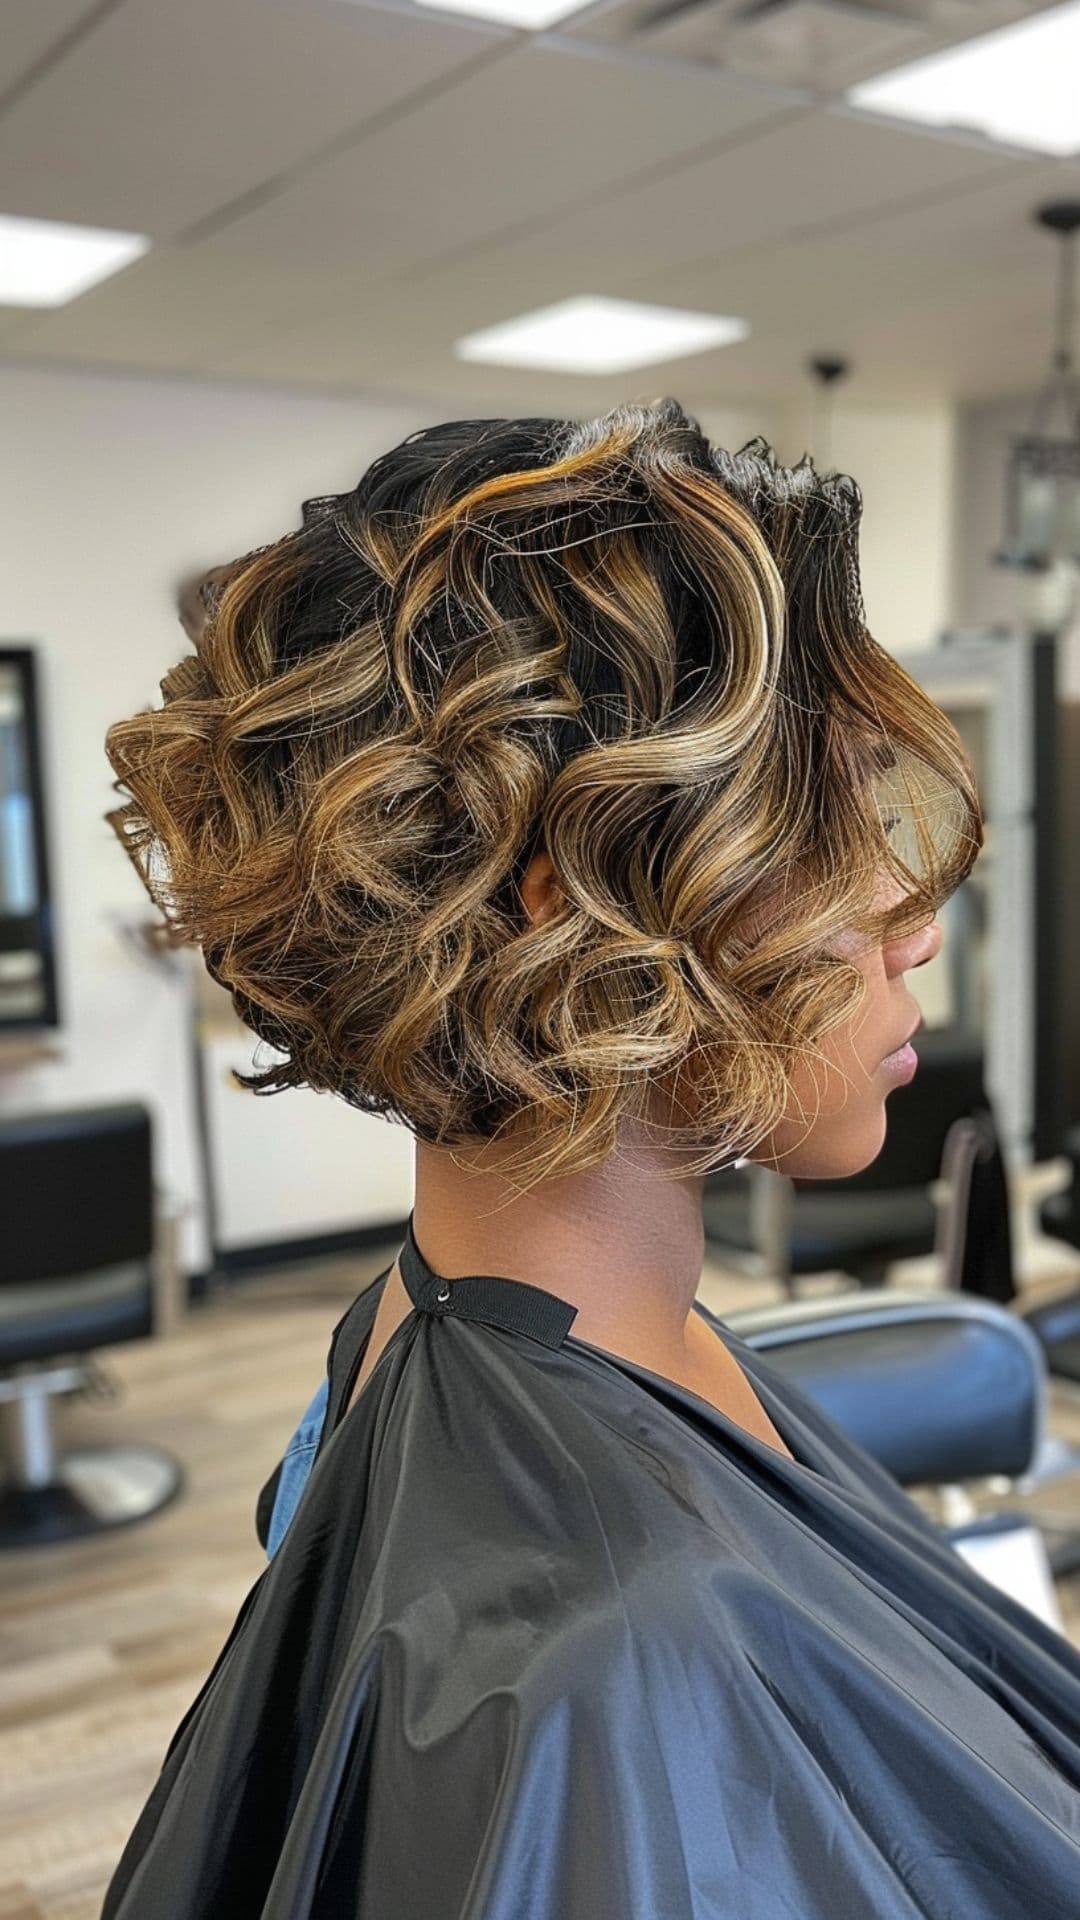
340	194
57	51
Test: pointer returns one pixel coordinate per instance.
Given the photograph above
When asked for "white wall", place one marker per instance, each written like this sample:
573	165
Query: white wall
120	486
904	461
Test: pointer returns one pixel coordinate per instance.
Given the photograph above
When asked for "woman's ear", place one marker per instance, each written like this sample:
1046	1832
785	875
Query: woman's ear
540	893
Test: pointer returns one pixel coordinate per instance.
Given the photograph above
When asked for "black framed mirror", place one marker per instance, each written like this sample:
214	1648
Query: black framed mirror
27	933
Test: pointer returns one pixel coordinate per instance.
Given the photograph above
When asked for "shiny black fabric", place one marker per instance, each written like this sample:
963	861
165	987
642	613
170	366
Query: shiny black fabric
549	1638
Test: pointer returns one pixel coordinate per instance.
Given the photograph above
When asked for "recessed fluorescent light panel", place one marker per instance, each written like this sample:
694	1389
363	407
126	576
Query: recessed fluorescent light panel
45	263
534	14
596	335
1020	84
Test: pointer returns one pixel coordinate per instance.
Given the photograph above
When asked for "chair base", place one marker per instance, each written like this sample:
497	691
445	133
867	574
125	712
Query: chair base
97	1489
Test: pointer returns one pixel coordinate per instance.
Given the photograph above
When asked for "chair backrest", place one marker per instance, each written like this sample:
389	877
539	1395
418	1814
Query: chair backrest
974	1236
76	1190
939	1388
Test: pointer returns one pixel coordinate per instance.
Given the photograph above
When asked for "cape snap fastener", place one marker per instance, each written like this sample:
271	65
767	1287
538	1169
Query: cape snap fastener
443	1296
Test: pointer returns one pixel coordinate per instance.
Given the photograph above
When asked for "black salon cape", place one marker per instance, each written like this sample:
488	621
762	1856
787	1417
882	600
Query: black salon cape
548	1638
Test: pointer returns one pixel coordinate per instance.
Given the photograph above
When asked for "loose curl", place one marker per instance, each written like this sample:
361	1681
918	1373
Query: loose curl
604	638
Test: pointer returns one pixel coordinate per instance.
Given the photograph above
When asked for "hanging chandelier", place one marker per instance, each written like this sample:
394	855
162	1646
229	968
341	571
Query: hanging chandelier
1043	479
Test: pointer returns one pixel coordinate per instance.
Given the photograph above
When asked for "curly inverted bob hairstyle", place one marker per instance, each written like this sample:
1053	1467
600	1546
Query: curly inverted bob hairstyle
608	639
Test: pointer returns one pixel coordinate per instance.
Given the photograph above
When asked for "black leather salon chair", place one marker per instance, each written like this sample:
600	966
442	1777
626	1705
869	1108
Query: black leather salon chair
944	1391
765	1223
940	1388
948	1385
977	1249
1057	1321
87	1260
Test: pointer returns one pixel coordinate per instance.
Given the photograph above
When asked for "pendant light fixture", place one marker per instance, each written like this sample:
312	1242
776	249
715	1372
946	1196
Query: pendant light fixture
826	369
1042	485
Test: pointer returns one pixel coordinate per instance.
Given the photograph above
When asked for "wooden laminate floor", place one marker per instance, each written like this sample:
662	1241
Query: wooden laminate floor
105	1643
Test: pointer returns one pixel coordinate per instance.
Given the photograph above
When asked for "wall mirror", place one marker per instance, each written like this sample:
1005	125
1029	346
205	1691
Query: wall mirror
27	936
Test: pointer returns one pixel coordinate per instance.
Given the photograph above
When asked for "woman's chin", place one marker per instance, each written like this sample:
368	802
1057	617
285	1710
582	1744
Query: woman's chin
836	1150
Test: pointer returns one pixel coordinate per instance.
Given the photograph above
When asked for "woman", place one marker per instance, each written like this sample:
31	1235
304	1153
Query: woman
548	793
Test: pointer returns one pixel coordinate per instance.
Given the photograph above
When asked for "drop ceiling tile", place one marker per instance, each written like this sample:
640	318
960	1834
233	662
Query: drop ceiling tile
414	353
971	337
164	113
977	220
945	254
178	303
397	321
549	171
766	187
900	294
941	349
33	28
635	244
12	321
529	134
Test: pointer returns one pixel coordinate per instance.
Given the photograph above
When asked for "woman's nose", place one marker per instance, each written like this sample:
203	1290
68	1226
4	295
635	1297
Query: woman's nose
929	944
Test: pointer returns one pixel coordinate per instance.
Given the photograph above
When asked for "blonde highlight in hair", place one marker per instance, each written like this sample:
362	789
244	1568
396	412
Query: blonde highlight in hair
606	639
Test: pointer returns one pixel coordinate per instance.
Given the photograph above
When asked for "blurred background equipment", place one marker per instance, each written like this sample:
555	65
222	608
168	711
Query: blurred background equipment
89	1261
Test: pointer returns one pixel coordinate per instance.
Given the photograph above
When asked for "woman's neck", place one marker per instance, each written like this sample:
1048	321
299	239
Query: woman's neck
620	1244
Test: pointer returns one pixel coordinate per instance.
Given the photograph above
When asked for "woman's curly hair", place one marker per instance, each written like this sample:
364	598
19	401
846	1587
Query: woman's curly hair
607	639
